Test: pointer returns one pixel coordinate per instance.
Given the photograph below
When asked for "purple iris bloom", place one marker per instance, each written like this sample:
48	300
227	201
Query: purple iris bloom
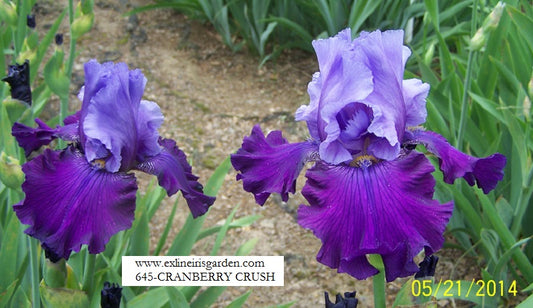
369	191
84	193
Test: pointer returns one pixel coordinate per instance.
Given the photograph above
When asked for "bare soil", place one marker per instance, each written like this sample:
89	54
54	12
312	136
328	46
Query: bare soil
211	98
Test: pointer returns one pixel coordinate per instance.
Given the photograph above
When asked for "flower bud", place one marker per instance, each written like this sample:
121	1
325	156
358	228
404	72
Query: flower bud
8	13
10	171
489	24
54	74
110	295
83	22
19	80
30	21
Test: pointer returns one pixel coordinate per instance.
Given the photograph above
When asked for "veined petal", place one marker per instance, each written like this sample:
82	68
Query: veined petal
69	203
270	165
174	173
31	139
385	56
386	208
486	172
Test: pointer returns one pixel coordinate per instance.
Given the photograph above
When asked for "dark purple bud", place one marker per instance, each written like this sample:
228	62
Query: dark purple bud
427	267
59	39
349	300
110	295
30	21
18	78
50	254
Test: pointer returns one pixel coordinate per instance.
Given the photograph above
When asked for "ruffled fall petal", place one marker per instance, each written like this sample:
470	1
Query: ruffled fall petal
386	208
174	173
485	172
270	165
31	139
69	202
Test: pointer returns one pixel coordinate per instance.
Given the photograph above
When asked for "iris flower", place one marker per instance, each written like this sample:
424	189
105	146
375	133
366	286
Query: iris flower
85	193
369	190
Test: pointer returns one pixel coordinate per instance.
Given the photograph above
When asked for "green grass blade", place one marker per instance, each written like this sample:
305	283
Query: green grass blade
239	301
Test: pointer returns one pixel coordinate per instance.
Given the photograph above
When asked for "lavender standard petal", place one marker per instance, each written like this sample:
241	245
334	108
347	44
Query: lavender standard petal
385	56
386	208
486	172
70	203
149	119
270	165
344	78
174	173
111	101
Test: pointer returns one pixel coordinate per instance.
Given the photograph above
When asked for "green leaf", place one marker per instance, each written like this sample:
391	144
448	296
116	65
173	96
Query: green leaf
9	252
239	301
247	247
5	294
139	243
154	298
239	223
222	233
176	298
522	23
164	235
61	297
208	297
360	11
528	302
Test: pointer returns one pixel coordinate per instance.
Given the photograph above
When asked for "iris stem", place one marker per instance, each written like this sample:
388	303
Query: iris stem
468	78
63	107
378	281
34	269
90	261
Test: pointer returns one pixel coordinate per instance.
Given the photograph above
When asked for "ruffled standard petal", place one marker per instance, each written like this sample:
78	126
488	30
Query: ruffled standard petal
270	165
344	78
111	102
31	139
149	119
485	172
70	203
174	173
386	208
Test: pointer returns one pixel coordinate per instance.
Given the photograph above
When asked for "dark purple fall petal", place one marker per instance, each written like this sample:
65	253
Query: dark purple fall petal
31	139
69	202
174	173
385	209
485	172
270	165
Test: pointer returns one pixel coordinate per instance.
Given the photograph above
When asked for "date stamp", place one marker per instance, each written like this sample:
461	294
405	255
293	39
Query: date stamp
463	288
